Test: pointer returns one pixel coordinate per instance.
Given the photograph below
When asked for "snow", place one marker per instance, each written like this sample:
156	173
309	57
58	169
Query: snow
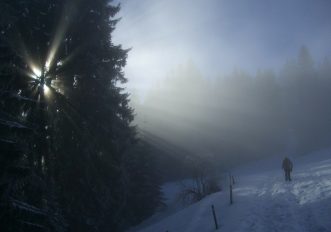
27	207
263	201
173	204
12	124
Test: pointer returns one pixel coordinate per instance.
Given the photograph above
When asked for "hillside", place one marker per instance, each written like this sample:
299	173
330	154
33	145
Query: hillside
263	201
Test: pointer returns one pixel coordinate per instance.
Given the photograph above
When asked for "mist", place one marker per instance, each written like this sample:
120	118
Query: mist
115	115
218	35
230	80
241	116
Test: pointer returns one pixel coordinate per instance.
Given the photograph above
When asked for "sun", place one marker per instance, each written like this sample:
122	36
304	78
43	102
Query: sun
36	71
40	77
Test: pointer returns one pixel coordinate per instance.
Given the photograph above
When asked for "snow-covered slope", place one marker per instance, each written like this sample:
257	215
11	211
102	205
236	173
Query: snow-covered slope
263	201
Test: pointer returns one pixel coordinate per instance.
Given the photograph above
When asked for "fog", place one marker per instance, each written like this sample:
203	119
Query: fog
230	80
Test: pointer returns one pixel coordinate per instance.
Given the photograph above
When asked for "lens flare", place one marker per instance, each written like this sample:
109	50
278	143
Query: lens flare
46	90
32	75
57	40
36	71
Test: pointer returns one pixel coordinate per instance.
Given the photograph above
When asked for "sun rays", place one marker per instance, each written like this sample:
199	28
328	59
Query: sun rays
43	67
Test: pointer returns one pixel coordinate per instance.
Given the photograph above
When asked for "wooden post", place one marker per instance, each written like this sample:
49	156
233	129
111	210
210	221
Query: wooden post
214	214
232	180
231	197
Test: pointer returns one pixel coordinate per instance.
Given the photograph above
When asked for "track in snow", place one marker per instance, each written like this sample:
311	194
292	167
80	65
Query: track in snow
264	202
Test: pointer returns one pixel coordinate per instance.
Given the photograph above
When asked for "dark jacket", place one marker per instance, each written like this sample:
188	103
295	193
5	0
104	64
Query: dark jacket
287	165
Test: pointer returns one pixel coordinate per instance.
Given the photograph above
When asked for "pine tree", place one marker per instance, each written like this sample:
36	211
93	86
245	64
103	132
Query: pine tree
59	88
143	183
30	204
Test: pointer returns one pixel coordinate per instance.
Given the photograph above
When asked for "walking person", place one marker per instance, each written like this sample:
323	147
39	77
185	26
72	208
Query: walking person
287	166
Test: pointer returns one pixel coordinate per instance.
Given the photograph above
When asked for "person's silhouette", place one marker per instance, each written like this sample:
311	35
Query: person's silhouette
287	166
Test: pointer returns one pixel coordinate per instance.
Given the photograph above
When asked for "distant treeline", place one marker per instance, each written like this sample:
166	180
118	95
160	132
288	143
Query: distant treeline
243	115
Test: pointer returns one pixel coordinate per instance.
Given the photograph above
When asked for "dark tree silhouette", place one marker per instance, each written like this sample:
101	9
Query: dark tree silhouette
67	124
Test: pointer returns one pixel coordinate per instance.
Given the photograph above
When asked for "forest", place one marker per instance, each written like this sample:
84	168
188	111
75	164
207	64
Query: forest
240	115
79	152
70	158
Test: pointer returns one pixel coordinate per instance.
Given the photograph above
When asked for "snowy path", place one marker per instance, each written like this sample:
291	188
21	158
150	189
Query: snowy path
264	202
281	206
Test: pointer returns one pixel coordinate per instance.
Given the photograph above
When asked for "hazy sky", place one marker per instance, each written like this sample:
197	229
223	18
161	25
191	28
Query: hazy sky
218	35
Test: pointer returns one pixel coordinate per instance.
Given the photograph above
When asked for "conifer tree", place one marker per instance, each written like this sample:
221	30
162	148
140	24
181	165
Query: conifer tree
60	100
